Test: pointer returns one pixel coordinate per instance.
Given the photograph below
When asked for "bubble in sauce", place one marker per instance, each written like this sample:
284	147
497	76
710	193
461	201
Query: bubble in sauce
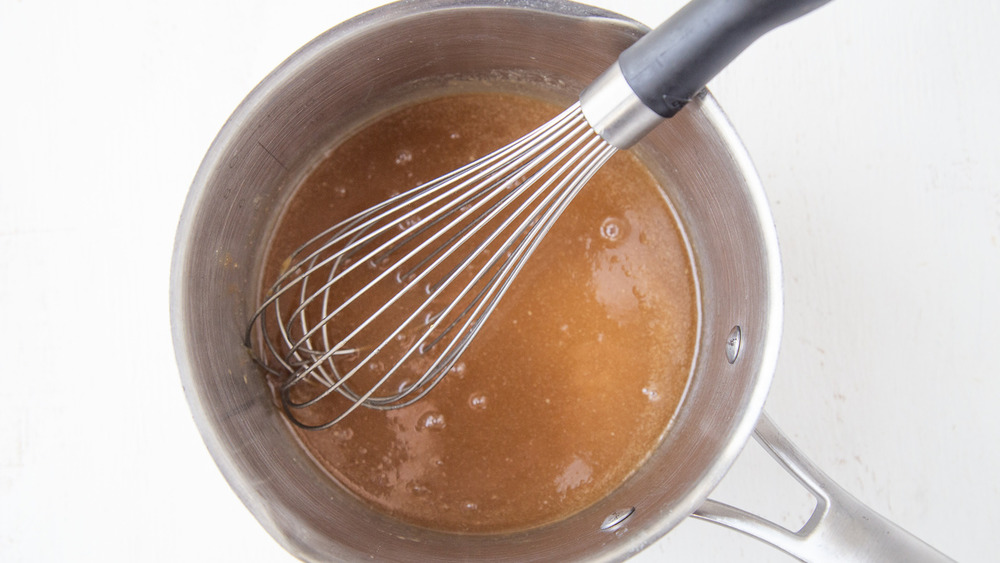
342	433
404	156
638	292
614	229
409	222
406	339
432	420
477	401
340	192
651	393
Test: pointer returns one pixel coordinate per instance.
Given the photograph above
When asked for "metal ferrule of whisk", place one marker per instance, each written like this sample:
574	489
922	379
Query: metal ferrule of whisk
614	111
376	310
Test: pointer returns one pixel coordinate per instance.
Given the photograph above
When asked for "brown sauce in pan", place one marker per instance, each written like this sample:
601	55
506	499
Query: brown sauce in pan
575	377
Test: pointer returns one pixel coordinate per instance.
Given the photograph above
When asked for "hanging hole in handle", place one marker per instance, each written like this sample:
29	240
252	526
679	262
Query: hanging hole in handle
757	483
616	518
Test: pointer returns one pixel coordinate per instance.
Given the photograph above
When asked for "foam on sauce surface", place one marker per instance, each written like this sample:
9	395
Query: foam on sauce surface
575	377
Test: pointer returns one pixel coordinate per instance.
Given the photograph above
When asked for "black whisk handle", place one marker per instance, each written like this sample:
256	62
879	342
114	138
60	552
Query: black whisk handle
668	66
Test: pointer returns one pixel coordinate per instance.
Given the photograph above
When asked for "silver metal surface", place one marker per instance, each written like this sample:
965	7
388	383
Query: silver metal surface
733	344
440	257
614	110
840	528
616	518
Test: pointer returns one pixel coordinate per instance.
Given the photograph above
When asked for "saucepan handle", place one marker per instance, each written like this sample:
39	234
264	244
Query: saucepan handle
841	528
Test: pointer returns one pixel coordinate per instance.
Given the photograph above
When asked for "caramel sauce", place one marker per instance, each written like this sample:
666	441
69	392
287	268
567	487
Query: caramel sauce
574	379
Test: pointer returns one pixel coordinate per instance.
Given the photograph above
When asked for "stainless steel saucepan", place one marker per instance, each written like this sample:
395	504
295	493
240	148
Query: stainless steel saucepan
550	49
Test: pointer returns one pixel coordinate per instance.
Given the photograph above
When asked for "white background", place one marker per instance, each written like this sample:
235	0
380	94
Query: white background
875	129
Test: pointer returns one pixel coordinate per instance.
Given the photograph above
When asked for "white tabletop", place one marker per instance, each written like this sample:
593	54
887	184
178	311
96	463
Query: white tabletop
875	127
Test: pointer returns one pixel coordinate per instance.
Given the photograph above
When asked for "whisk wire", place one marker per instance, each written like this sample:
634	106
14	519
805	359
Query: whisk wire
495	209
512	265
570	150
488	298
546	153
365	219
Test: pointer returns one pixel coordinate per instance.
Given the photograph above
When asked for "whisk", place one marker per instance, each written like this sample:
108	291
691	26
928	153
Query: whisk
377	309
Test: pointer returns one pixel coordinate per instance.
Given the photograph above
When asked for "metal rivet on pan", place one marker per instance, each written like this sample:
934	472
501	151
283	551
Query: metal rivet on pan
616	518
733	344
